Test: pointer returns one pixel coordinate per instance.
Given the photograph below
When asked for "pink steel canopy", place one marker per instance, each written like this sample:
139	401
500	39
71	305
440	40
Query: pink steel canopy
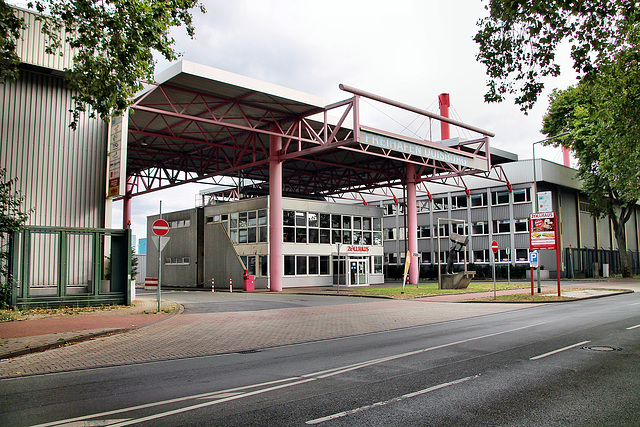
198	122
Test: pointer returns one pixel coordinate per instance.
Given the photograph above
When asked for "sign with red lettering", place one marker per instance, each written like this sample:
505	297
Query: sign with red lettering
542	230
357	249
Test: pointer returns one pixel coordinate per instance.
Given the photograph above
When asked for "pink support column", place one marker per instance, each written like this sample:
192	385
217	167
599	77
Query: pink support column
126	207
275	213
412	222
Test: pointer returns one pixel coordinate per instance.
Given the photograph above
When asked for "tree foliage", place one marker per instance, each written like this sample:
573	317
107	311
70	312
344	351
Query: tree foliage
12	218
602	114
10	26
113	42
519	40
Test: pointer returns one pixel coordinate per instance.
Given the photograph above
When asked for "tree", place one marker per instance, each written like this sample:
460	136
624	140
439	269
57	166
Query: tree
601	113
113	42
10	27
12	218
519	39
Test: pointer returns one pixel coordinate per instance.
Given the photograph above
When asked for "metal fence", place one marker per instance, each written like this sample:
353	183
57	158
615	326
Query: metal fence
70	266
585	263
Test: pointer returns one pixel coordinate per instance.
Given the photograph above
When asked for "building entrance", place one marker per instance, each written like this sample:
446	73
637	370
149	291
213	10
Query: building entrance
358	272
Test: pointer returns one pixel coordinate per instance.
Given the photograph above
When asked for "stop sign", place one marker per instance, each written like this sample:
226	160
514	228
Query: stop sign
494	246
160	227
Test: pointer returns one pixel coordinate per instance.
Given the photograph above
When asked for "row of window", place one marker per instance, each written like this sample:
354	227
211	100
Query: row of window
181	260
181	223
462	202
478	228
243	227
303	265
314	227
479	257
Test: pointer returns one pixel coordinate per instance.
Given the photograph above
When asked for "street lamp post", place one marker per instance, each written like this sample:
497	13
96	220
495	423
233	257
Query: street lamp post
535	188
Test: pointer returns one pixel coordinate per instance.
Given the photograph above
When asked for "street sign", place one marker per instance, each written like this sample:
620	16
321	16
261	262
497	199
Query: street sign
494	246
160	227
533	259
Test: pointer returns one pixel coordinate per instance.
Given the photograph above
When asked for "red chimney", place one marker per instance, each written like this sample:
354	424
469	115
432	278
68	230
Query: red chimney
443	98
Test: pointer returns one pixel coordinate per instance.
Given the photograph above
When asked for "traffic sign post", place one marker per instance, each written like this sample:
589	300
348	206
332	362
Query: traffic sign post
494	248
533	263
160	227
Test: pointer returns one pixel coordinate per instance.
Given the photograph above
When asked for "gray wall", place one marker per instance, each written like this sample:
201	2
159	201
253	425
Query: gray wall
221	260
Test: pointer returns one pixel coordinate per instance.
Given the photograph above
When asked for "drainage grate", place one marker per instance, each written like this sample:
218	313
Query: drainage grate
248	351
602	348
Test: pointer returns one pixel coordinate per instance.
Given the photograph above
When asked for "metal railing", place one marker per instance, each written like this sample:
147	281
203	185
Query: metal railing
70	266
586	263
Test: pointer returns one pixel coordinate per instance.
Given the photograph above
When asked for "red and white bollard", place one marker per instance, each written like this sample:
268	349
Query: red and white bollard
213	285
230	285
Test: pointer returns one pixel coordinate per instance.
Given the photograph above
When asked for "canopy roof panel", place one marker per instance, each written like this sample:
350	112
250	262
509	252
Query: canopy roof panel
198	122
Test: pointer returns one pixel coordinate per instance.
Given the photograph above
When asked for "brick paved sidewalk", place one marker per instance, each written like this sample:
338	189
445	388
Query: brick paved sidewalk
33	335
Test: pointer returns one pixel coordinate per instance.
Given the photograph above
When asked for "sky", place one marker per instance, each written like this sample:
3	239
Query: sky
406	50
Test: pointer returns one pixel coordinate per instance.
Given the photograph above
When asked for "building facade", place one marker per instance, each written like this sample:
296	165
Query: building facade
312	232
494	212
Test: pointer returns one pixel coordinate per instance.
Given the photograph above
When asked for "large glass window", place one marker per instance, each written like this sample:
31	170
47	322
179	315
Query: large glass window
288	234
242	219
253	218
501	226
289	265
521	225
325	220
357	223
478	200
301	265
440	204
346	222
262	260
458	202
521	196
314	265
424	231
522	255
377	238
314	235
481	255
336	221
499	197
423	205
390	233
288	218
301	219
366	223
325	236
377	224
262	238
377	264
324	265
262	217
479	228
301	235
312	219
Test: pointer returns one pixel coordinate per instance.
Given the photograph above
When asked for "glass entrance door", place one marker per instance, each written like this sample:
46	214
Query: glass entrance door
358	272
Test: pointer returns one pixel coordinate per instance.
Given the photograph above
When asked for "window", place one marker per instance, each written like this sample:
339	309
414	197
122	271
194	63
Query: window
366	223
426	257
314	265
500	198
585	206
423	206
301	219
377	238
324	265
325	236
390	233
242	235
392	258
390	209
262	217
262	234
459	228
458	202
346	222
478	200
366	238
479	228
336	236
251	265
314	235
325	221
301	265
377	264
233	235
521	225
234	220
301	235
288	234
522	255
424	231
251	236
346	237
481	256
336	221
242	219
210	219
521	196
444	230
502	256
289	265
181	260
441	204
377	224
253	219
288	218
312	219
262	261
357	223
501	226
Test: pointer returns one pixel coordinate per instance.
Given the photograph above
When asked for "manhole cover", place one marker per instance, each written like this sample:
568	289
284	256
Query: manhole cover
602	348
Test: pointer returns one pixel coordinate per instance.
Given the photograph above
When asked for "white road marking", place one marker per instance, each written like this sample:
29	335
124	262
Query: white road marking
633	327
559	350
386	402
635	303
270	386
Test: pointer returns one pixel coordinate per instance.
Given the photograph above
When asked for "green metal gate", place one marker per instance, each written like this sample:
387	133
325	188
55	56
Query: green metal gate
70	266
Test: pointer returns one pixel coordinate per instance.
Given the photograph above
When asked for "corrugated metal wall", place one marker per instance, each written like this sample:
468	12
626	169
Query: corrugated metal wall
60	172
31	45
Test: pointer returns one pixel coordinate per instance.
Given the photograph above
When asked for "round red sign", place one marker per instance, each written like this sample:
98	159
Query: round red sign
160	227
494	246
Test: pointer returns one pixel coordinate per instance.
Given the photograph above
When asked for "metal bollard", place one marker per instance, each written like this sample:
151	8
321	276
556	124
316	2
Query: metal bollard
213	285
230	285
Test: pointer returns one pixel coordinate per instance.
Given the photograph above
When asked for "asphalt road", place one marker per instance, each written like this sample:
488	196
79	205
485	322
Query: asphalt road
556	364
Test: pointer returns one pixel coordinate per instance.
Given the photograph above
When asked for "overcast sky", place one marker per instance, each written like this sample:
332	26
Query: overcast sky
406	50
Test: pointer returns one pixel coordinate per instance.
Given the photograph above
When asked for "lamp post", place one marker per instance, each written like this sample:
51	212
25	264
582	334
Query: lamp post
535	188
